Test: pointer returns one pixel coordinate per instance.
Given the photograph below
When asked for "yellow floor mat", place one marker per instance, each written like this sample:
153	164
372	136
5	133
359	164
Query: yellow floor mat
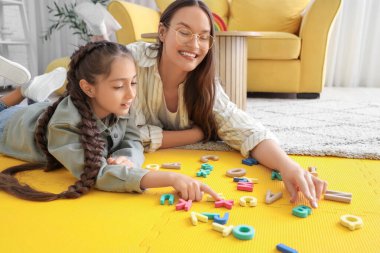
120	222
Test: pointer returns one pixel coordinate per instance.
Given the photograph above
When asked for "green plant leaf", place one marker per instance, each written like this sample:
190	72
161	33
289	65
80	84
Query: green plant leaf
65	15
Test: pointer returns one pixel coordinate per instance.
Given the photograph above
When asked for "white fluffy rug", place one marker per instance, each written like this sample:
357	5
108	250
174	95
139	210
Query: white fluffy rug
344	122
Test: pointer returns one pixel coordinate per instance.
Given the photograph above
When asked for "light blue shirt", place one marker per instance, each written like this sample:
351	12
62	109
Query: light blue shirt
64	144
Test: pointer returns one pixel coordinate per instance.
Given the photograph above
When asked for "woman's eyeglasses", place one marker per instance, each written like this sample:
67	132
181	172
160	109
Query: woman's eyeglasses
184	36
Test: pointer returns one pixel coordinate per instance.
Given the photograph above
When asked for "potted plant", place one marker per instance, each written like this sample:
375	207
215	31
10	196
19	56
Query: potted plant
65	15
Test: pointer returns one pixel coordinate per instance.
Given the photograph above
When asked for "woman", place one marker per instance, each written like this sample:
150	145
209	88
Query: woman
179	100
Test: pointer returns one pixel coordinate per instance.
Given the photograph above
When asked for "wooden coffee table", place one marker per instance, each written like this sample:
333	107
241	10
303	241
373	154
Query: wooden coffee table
231	64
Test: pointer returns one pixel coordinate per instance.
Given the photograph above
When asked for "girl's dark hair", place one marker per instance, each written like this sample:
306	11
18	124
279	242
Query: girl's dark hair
199	93
88	62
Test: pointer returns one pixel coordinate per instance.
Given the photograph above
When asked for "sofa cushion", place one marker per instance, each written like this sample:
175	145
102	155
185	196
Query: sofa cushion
266	15
273	76
274	46
219	7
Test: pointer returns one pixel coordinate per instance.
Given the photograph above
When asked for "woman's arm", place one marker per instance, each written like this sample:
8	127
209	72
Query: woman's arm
242	132
269	154
182	137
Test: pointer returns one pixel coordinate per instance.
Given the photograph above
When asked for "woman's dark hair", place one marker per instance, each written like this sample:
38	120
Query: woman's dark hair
88	62
199	93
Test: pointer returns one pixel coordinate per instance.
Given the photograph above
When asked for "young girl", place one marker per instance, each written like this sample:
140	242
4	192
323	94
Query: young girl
90	130
179	100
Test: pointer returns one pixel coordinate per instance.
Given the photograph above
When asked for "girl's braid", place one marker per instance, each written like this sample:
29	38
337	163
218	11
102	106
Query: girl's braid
92	143
40	135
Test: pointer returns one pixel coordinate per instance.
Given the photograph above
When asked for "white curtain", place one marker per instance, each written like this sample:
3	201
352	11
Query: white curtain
354	49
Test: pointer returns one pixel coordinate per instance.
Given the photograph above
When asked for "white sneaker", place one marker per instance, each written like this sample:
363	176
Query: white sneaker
111	23
93	17
13	71
40	88
97	18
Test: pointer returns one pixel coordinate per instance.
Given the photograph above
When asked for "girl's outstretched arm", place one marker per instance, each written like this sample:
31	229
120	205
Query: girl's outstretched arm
187	187
269	154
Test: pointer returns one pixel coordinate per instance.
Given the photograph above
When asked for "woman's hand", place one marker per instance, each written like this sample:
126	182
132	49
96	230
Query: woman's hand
120	160
297	179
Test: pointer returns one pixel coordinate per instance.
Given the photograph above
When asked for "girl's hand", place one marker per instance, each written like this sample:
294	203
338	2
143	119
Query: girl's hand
187	187
191	189
120	160
297	179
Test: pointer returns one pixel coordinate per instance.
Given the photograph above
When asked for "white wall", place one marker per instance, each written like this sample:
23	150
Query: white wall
12	23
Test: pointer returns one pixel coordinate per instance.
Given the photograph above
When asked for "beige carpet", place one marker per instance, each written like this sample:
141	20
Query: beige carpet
344	122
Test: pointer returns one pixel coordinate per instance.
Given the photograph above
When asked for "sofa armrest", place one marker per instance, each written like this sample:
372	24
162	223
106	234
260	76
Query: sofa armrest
314	34
134	19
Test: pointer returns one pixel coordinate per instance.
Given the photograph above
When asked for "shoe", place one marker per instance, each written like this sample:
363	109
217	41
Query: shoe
111	24
40	88
97	18
13	71
93	17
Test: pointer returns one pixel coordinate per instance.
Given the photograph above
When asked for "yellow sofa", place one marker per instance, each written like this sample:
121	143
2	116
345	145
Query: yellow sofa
289	57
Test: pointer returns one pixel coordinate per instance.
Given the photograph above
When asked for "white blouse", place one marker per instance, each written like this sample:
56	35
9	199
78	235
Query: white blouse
234	126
